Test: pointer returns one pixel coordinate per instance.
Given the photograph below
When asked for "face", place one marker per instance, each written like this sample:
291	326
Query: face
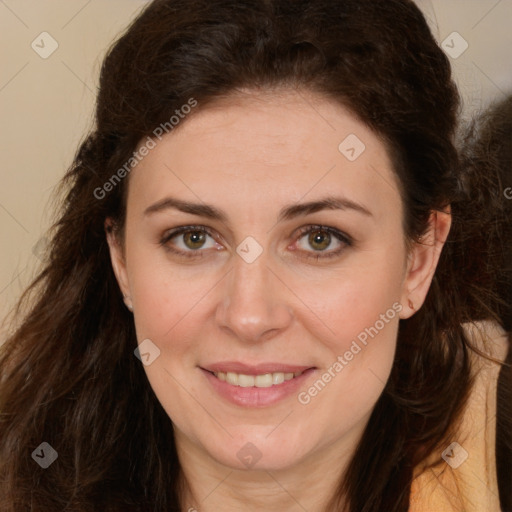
264	256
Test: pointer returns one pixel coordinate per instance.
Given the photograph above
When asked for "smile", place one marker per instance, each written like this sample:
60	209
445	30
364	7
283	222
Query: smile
265	380
257	385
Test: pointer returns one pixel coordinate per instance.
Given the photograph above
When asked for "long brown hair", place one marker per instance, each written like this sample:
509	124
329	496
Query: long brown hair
487	158
69	376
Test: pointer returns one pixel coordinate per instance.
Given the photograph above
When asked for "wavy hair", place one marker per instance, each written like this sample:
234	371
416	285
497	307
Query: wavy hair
487	210
69	376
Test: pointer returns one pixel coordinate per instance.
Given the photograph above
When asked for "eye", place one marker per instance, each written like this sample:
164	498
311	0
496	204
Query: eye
189	241
192	241
321	239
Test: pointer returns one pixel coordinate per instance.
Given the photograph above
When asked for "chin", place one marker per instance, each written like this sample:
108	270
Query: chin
253	452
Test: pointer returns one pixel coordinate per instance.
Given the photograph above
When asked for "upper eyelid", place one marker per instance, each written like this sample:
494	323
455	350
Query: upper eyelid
319	227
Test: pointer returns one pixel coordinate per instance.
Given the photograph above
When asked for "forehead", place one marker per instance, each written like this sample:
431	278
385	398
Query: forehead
283	145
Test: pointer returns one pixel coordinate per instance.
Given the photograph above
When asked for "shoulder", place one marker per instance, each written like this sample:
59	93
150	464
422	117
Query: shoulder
464	477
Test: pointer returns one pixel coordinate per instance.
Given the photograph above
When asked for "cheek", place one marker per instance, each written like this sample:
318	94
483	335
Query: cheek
172	312
352	300
359	311
167	305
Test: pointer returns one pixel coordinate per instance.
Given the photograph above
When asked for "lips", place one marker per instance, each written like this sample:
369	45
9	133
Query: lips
256	385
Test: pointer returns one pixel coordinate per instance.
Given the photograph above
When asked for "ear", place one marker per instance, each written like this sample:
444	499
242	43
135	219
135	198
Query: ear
422	262
117	258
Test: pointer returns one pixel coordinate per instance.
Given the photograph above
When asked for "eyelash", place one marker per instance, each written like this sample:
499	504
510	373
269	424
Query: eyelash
340	236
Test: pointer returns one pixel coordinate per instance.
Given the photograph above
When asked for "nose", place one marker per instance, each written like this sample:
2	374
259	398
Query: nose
253	306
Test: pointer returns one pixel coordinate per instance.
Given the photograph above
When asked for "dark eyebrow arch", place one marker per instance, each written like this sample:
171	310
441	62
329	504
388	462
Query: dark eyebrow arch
287	213
200	209
327	203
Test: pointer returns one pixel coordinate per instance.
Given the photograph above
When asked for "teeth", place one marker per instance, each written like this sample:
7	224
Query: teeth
232	378
263	381
245	381
277	378
260	381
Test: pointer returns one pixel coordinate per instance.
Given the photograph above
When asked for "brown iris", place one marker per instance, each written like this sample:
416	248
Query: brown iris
194	239
319	239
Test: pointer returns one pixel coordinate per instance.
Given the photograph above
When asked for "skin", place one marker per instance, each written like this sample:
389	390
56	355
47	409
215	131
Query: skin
250	155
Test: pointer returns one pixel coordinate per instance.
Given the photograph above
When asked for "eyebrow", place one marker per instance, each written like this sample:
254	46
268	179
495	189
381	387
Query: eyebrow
287	213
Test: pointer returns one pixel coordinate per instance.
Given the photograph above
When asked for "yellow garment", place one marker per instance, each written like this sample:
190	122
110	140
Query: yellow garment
472	486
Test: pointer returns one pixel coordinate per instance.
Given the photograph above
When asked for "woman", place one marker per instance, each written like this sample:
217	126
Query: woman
249	302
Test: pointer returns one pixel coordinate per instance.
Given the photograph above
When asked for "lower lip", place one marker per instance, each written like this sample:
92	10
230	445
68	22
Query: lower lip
257	397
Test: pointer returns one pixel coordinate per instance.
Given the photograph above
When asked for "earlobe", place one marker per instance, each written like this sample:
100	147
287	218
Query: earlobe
422	262
117	259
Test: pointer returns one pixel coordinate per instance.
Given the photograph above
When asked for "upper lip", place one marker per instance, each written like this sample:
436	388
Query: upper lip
254	369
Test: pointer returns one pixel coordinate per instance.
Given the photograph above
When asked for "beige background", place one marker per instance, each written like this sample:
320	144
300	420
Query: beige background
46	105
